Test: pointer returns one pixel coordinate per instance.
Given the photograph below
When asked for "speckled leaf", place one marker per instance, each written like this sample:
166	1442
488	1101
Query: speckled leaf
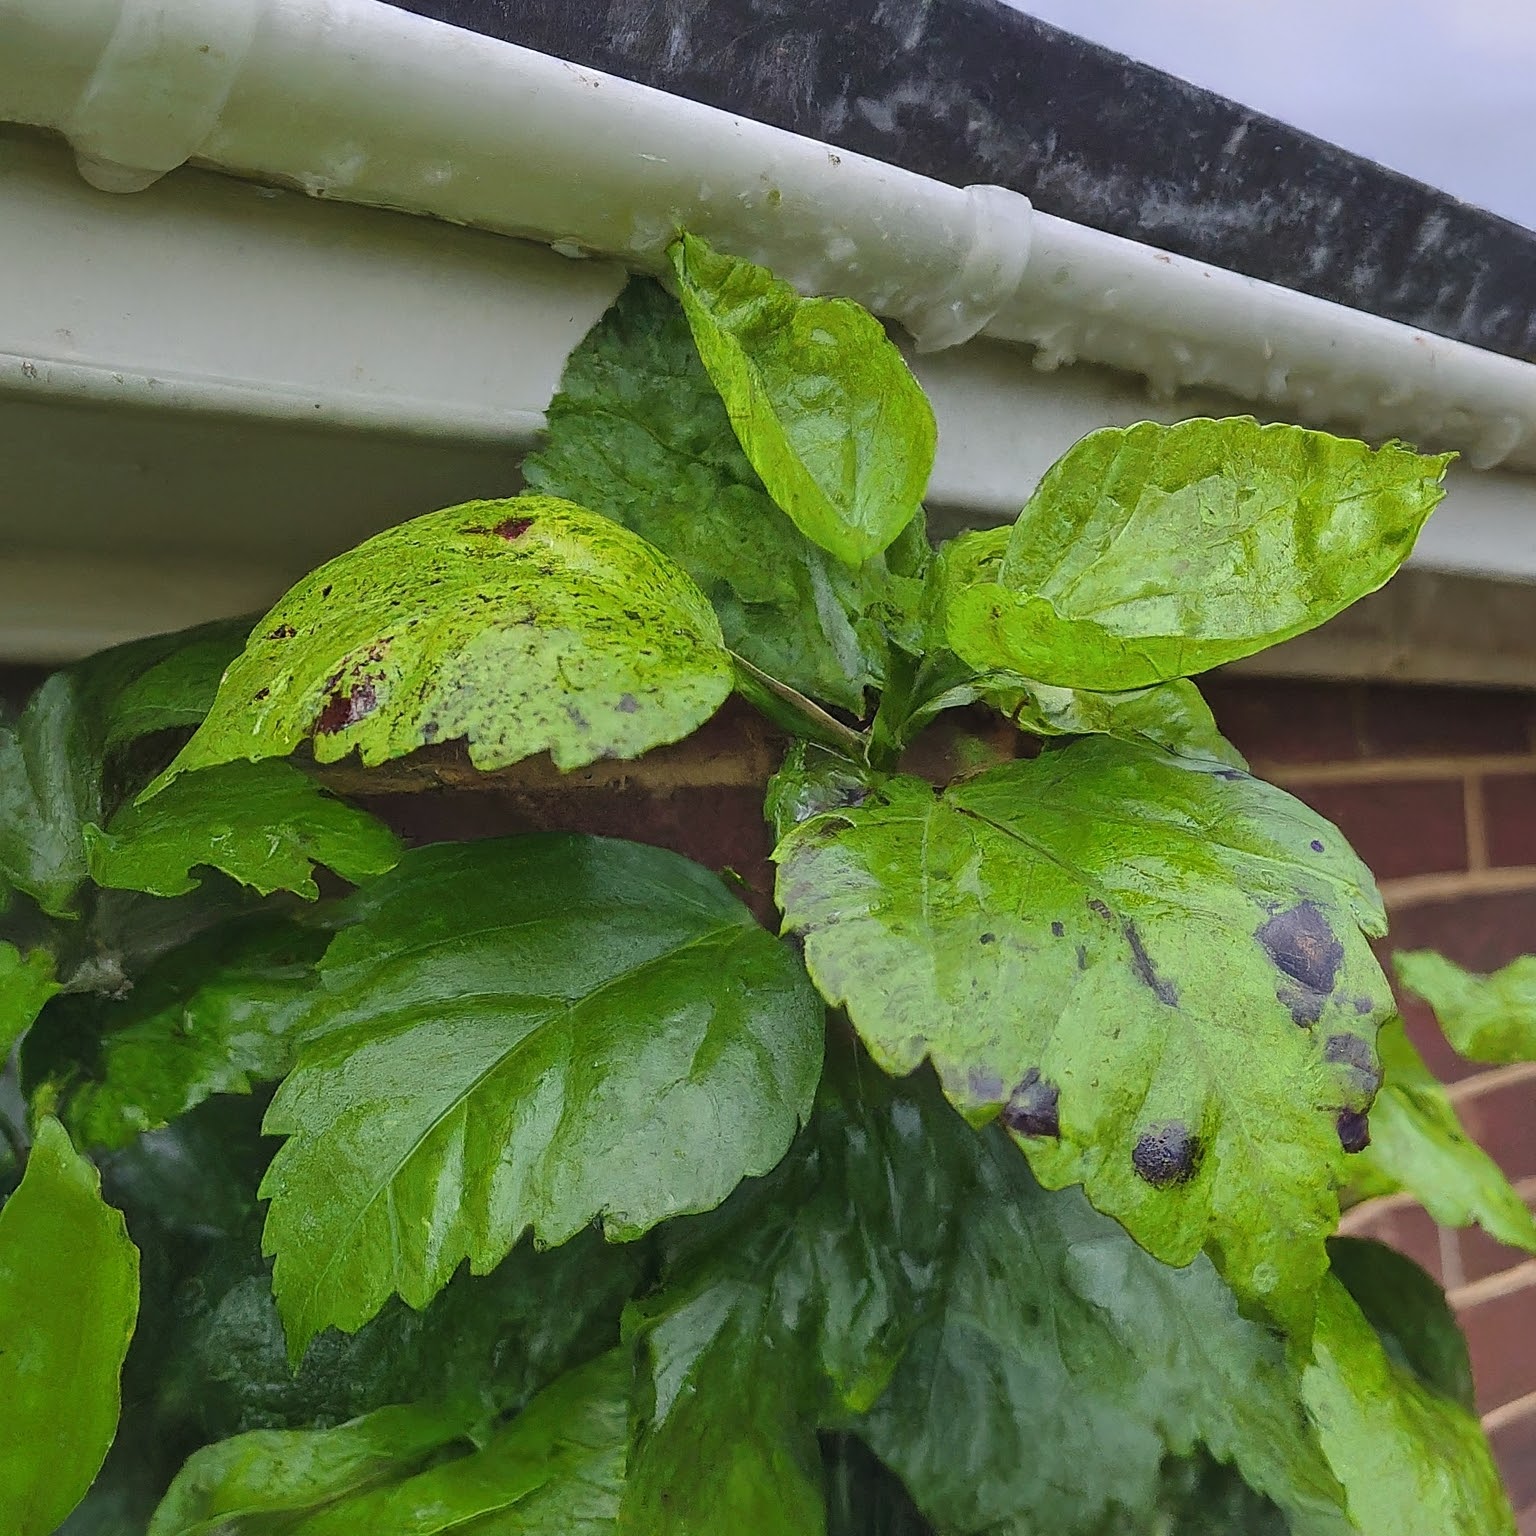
1153	966
638	433
264	824
26	983
534	1032
557	1469
523	626
820	399
1412	1463
1152	552
69	1293
1418	1144
1063	1365
1486	1018
241	1486
1409	1312
213	1016
50	787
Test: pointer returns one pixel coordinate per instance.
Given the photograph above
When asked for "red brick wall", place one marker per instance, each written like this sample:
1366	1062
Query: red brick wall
1436	788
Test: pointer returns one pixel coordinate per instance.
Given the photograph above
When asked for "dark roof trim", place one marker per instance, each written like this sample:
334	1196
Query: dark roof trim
973	91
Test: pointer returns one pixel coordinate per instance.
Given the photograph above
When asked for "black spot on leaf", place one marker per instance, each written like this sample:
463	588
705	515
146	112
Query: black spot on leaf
1305	1007
987	938
325	591
1141	962
1058	929
985	1087
1098	909
1303	946
512	528
261	693
627	704
344	709
1167	1153
1364	1005
1229	774
1317	845
1031	1109
1082	957
1356	1054
282	632
1354	1130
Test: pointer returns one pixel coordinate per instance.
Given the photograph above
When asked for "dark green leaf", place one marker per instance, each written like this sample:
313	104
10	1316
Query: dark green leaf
864	1497
523	626
1153	966
50	787
239	1486
556	1470
1418	1144
1409	1312
536	1032
1152	552
165	683
1486	1018
1064	1364
264	824
214	1016
1413	1463
811	780
819	398
69	1291
26	983
638	433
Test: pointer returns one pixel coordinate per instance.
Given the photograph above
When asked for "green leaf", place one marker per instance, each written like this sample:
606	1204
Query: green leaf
535	1032
50	787
69	1292
1485	1018
638	433
264	824
237	1486
1418	1145
213	1016
524	626
1152	552
1409	1312
165	683
26	983
1063	1364
1413	1463
1153	966
818	396
556	1470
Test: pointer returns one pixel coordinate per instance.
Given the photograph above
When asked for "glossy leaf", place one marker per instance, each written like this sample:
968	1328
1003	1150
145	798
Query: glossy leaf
523	626
638	433
166	683
26	983
1152	552
238	1486
69	1290
819	398
1416	1326
214	1016
50	787
1413	1463
264	824
1418	1144
1155	967
536	1032
1486	1018
1063	1365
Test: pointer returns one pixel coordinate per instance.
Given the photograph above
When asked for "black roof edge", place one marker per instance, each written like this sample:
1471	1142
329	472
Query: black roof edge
973	91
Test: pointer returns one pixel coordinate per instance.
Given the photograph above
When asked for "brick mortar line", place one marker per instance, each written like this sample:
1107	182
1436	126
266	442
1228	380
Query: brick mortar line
1491	1081
1477	821
1413	890
1388	770
1507	1413
1492	1287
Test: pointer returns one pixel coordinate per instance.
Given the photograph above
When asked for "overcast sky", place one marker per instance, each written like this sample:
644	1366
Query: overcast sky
1442	89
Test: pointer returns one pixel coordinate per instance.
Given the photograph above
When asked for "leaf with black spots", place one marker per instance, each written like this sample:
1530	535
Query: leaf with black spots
522	626
1164	943
538	1032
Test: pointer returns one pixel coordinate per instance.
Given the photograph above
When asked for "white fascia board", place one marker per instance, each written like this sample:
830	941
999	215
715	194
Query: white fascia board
356	101
224	384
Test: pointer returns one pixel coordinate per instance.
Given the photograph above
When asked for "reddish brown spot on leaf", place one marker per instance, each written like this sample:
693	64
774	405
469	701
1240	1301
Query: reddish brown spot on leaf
1032	1107
1303	946
344	709
512	528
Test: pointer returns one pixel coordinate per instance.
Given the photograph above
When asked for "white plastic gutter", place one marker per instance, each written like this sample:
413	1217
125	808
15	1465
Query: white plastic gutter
353	100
